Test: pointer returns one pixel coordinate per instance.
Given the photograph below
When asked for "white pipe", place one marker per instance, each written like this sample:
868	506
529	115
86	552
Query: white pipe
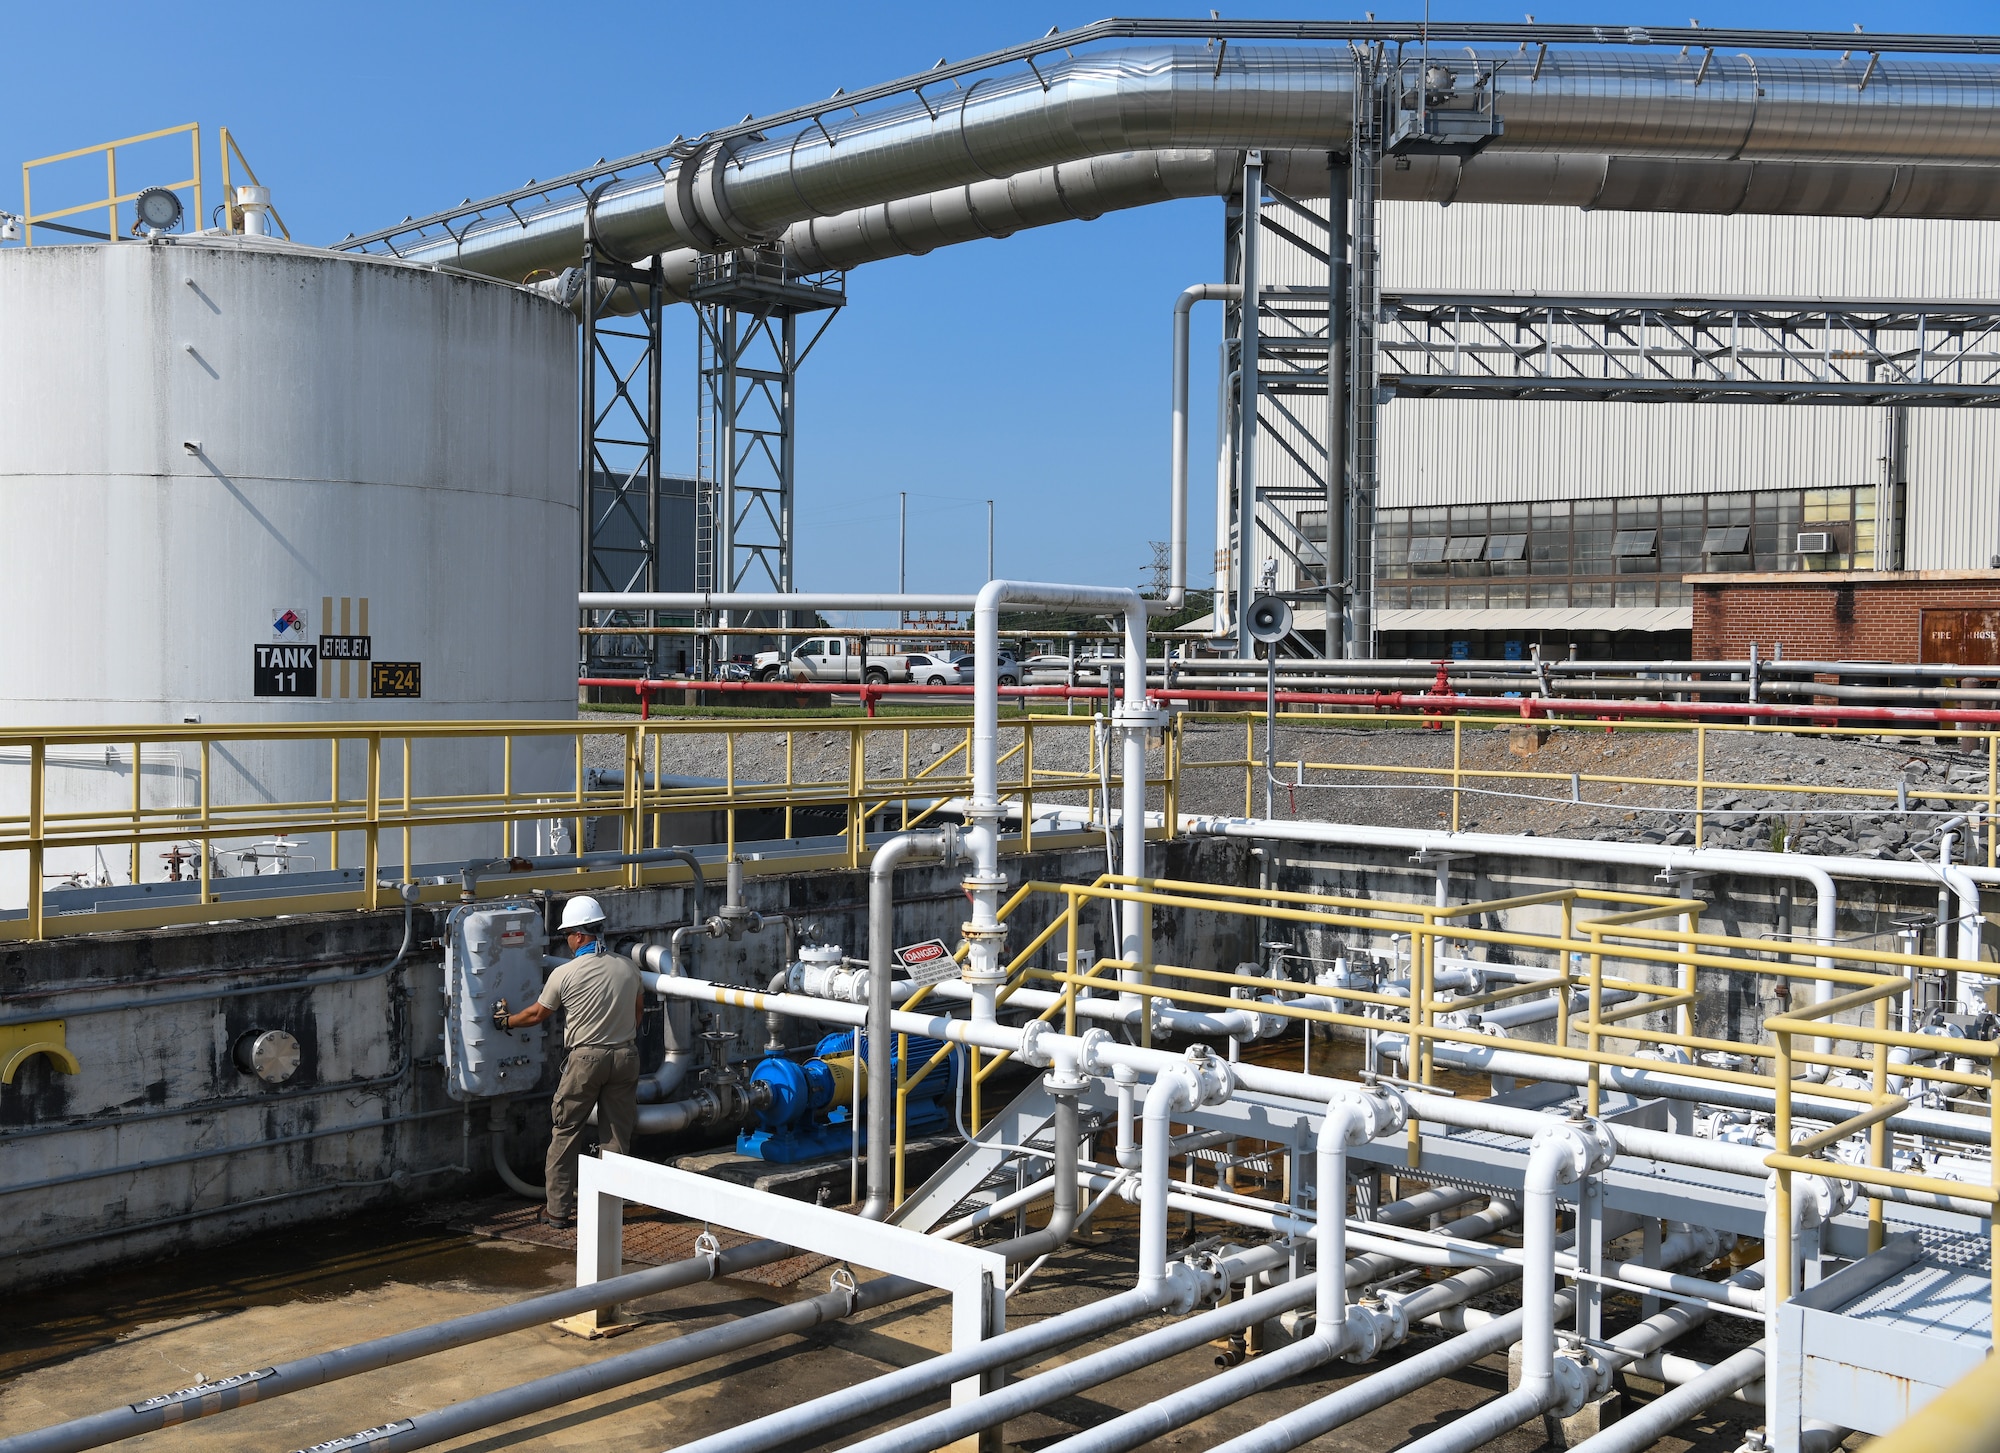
984	935
1552	1161
1521	1060
1134	716
1675	1370
1174	1090
1819	872
1364	1332
1099	1055
936	843
1342	1126
680	1056
1124	1082
1177	560
1647	1425
1743	1298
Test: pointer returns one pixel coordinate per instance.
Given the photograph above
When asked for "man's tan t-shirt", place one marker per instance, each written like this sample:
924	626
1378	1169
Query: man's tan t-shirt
597	994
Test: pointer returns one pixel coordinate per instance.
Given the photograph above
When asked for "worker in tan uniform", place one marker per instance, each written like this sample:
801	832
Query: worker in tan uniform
601	998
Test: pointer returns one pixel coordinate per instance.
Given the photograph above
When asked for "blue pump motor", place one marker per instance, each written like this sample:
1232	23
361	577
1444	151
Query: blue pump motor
806	1109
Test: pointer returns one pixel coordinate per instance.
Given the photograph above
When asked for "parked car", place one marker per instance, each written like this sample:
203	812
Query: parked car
935	668
1048	670
1010	670
831	658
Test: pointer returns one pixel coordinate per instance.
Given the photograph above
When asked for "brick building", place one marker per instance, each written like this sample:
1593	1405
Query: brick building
1941	616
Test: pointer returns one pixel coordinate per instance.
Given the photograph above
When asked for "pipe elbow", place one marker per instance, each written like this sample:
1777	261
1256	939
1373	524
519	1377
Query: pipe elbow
1175	1088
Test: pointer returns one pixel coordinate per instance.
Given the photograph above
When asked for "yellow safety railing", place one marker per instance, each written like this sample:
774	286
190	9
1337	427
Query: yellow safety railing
373	774
1522	785
112	199
1651	949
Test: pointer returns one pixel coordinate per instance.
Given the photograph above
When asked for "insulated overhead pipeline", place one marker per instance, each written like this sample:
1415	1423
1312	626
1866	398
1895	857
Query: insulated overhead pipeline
746	189
1086	189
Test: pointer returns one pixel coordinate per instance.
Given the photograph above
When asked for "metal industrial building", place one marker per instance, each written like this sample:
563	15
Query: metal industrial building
1511	523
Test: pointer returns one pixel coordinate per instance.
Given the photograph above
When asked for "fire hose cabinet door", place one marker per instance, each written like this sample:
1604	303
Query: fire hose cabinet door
492	952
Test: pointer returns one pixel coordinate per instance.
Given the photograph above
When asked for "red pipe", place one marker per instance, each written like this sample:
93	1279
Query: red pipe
1528	708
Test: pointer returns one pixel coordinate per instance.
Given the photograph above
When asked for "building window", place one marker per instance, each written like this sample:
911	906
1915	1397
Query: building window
1585	554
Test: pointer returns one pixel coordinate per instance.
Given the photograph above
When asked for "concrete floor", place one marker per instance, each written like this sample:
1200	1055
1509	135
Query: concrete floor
84	1347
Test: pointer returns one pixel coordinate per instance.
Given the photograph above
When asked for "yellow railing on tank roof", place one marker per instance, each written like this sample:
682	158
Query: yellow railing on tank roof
112	198
369	794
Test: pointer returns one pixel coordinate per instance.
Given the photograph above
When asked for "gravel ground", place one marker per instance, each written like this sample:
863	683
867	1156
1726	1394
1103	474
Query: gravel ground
820	756
1802	790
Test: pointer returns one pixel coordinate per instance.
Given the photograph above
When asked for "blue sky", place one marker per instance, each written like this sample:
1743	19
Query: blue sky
1032	370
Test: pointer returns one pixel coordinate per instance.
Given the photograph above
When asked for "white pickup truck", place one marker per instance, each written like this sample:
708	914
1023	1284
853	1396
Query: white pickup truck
831	658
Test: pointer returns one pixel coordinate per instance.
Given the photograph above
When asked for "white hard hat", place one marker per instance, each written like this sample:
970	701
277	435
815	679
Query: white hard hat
582	911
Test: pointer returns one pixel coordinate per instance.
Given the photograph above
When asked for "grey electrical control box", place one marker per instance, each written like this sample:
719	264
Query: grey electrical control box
493	951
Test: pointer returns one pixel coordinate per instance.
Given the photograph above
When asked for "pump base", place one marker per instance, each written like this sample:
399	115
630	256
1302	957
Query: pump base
835	1136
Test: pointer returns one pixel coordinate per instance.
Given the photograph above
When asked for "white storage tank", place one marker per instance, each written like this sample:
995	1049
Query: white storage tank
215	451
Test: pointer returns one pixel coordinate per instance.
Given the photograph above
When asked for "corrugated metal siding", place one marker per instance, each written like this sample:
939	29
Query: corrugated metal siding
1561	249
1954	510
1439	452
1445	451
1435	451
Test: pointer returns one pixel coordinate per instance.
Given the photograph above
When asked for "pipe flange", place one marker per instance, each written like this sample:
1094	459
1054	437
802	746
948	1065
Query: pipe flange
1143	716
1213	1075
1603	1372
1574	1382
1388	1111
991	937
1184	1287
1591	1138
1033	1052
1208	1266
1090	1055
1370	1327
950	845
1818	1199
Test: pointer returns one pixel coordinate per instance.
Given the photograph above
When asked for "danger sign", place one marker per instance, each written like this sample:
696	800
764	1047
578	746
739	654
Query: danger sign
929	962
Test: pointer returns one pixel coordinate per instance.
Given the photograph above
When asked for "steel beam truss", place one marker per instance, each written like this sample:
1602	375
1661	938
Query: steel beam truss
747	307
1667	350
619	473
1290	336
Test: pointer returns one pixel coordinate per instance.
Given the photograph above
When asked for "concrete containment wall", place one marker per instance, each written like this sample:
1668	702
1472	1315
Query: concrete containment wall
159	1142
